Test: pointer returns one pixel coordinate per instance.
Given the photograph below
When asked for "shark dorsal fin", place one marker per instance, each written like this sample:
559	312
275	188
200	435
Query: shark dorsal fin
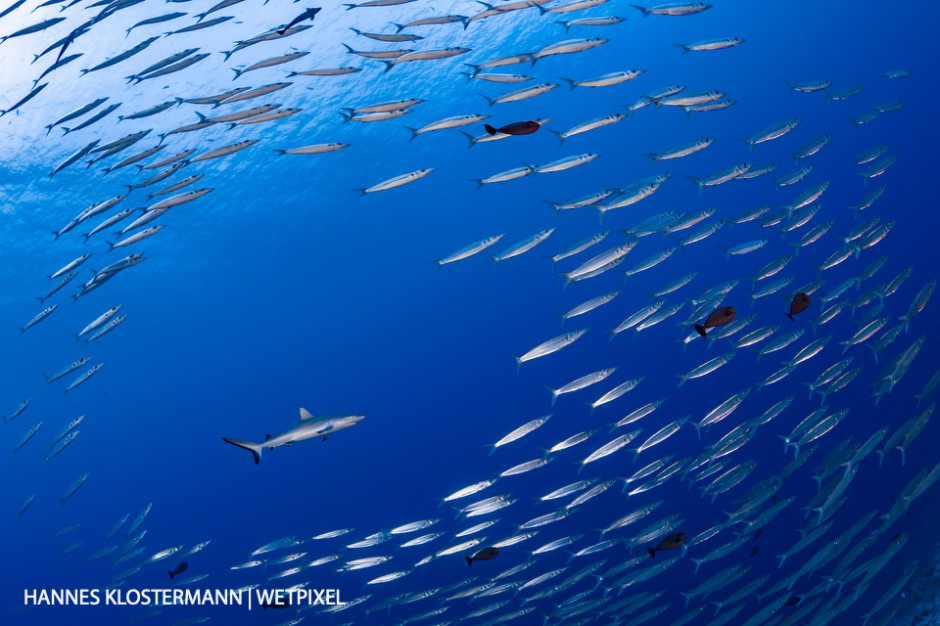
305	414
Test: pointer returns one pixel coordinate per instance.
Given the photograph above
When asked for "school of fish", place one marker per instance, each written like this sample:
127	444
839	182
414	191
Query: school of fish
648	565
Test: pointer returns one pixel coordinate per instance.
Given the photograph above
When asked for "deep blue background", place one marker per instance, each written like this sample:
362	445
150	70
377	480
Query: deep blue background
284	288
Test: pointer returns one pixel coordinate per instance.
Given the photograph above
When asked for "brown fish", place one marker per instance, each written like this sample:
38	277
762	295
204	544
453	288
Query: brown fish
799	304
516	128
483	555
719	318
179	569
669	542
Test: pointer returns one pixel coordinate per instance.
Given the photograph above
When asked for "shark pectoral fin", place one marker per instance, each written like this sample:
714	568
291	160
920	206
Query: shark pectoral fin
305	414
254	448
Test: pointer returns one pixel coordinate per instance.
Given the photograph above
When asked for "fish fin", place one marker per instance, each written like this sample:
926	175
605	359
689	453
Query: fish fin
470	138
305	414
254	448
561	136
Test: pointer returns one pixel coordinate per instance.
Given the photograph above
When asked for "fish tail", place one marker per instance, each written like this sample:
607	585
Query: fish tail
682	378
254	448
700	330
571	82
469	561
414	133
398	27
388	65
561	136
685	48
488	99
171	574
489	129
470	138
237	73
652	552
478	181
645	13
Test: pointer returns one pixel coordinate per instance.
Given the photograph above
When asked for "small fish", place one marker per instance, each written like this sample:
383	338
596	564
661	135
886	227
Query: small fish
40	317
799	304
718	318
548	347
673	9
516	128
483	555
309	14
670	542
397	181
78	381
179	569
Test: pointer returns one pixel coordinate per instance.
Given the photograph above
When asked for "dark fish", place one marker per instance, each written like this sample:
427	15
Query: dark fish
179	569
123	56
15	6
719	318
306	15
26	99
277	604
35	28
156	20
200	25
56	66
516	128
669	542
483	555
792	601
98	116
758	533
799	304
755	550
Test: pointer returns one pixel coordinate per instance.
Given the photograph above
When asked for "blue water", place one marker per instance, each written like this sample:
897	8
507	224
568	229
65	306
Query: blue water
285	288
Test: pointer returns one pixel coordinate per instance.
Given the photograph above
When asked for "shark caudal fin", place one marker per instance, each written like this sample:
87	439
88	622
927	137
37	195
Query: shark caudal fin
254	448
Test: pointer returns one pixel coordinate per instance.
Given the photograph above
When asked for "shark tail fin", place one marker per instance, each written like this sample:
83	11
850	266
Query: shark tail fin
254	448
